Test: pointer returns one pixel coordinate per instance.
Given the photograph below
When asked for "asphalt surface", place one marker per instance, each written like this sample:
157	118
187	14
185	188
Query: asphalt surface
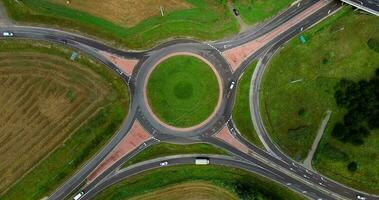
371	6
272	163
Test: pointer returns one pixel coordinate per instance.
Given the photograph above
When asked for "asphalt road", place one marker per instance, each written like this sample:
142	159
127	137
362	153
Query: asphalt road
272	163
256	167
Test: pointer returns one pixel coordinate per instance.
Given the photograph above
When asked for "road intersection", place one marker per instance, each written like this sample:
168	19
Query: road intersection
271	162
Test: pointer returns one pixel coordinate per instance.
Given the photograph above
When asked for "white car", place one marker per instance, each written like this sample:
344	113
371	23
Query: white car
79	195
232	85
361	197
7	34
163	163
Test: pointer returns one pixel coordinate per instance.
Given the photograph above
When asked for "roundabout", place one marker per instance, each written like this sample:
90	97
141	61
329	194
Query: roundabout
183	90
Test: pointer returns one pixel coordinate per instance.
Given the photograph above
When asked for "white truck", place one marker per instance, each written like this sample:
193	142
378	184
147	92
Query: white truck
202	161
79	195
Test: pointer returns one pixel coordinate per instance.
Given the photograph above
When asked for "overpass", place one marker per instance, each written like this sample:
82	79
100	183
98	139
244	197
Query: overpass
371	6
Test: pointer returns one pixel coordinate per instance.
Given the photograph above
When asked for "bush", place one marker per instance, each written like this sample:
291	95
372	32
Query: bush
373	44
352	166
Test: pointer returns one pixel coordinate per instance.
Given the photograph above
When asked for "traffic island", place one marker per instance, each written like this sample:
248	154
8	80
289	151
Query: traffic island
183	91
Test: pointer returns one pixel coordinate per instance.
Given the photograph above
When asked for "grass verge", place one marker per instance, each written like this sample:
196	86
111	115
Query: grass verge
88	136
182	91
253	11
241	111
167	149
299	86
233	180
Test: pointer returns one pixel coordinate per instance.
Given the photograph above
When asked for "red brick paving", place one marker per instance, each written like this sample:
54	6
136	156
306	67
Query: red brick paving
135	137
237	55
227	137
126	65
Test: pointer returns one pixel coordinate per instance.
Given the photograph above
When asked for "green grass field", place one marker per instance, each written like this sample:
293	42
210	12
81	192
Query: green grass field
253	11
241	110
67	111
206	20
182	91
229	179
167	149
335	49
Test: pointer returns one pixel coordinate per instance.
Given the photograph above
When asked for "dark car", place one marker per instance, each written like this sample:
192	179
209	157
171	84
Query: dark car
235	11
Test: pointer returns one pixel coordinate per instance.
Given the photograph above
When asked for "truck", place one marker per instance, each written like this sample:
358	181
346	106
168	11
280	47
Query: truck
202	161
79	195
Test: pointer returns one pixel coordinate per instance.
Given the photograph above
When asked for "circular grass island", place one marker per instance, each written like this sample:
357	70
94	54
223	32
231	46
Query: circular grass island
182	91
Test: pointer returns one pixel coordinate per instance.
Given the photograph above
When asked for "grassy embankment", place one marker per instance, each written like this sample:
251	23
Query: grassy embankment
337	48
234	181
182	91
56	114
241	110
253	11
166	149
199	19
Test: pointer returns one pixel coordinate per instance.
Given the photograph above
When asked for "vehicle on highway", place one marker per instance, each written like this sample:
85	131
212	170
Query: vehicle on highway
235	11
79	195
7	34
361	197
232	85
202	161
163	163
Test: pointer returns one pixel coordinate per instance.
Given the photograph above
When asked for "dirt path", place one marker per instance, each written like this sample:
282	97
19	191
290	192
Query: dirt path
308	161
4	19
243	26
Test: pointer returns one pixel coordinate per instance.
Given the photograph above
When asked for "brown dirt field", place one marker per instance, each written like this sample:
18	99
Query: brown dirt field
237	55
125	12
135	137
44	98
189	191
227	137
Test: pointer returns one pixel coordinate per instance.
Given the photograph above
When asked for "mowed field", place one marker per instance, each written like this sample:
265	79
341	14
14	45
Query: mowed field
45	99
183	91
125	12
253	11
189	191
299	87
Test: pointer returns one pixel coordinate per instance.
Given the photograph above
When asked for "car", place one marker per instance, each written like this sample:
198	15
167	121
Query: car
79	195
235	11
232	85
165	163
361	197
7	34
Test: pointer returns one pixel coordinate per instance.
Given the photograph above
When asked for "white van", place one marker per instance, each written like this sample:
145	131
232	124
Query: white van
79	195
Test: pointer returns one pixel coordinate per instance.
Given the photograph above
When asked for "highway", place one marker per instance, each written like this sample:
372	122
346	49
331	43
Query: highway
271	163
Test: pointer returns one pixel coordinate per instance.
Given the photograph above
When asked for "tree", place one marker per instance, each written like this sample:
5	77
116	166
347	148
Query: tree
352	166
